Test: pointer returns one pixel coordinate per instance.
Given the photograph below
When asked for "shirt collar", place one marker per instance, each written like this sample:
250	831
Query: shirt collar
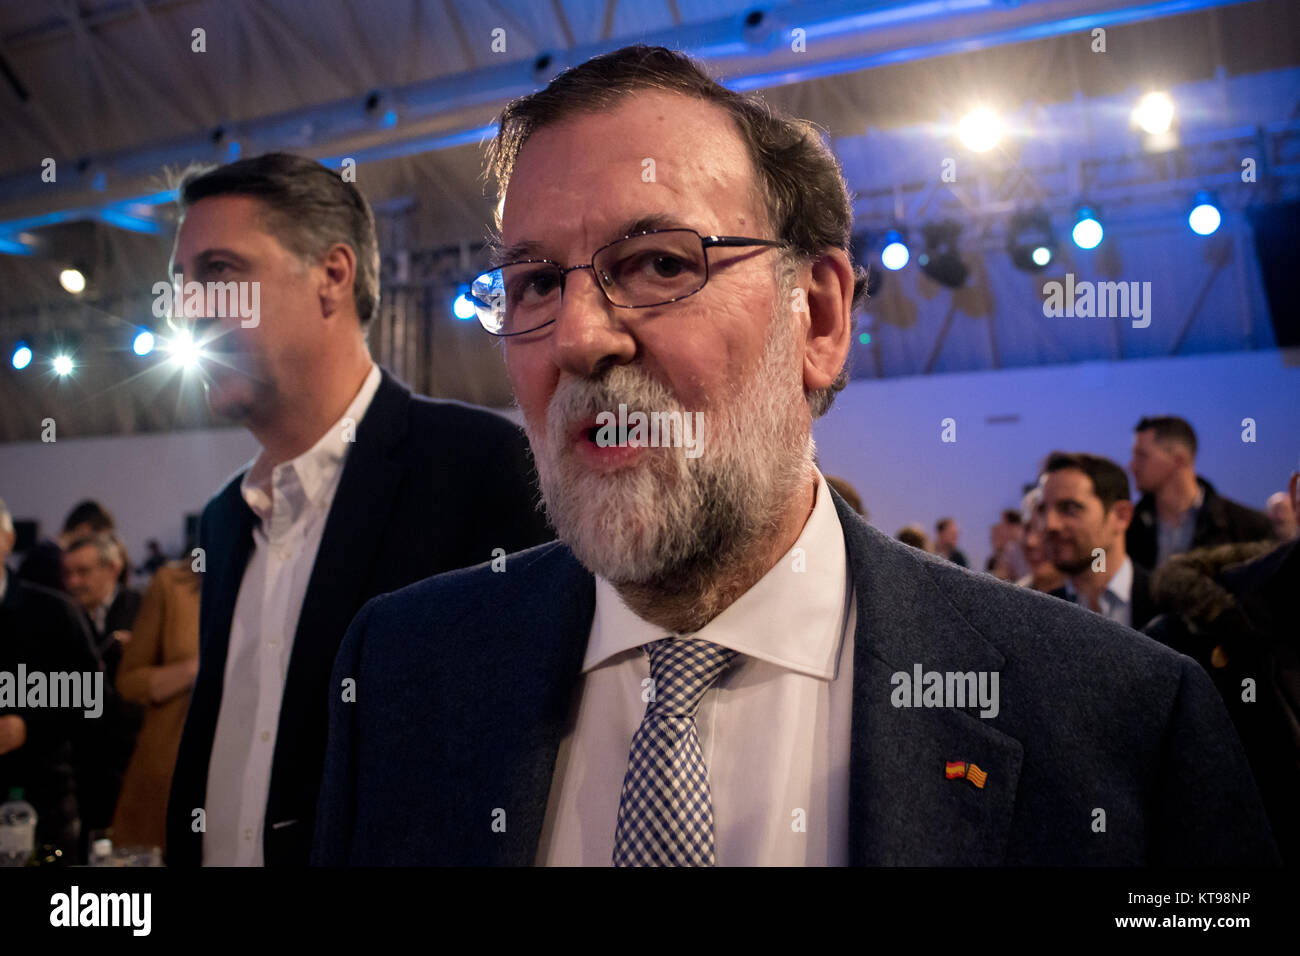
793	616
308	478
1119	587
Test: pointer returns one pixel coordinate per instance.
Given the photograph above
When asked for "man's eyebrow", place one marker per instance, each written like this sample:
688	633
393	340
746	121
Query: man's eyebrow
531	248
207	255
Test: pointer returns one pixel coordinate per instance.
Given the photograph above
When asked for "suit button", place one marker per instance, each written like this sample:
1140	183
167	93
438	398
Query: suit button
248	834
266	735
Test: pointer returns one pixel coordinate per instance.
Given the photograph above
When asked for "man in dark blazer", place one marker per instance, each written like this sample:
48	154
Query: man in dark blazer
92	571
360	488
722	663
1086	512
1179	510
1092	717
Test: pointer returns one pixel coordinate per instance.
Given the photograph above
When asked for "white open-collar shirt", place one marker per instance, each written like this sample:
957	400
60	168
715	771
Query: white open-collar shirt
291	503
774	730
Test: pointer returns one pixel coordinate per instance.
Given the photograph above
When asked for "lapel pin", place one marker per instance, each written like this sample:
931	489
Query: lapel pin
960	770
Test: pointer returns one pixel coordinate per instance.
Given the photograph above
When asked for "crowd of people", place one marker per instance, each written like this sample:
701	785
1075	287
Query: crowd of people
105	778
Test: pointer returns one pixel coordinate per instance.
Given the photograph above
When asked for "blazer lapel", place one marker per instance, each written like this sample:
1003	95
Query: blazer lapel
904	810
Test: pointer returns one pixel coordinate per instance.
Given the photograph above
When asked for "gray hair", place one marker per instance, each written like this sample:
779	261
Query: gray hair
308	208
107	547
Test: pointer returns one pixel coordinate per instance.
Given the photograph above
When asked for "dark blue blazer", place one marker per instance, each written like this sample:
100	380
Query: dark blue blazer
428	486
465	684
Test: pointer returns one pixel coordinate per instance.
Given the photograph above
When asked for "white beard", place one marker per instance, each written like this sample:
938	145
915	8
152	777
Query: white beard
668	519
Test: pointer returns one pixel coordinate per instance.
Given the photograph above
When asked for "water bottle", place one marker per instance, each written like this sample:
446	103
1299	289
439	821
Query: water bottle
17	829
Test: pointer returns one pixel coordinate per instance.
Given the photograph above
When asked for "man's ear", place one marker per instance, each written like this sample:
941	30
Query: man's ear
1294	488
1123	510
340	273
830	312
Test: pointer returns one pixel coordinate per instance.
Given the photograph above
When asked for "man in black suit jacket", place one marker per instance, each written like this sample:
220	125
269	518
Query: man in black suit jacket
1087	510
499	708
1179	510
45	633
360	488
92	569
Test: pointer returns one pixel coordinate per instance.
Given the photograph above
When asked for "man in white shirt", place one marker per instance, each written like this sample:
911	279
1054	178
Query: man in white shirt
359	488
1087	511
721	663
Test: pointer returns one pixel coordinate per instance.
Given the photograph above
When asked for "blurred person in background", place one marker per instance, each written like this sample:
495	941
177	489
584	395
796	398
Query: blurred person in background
43	631
849	494
1043	574
914	536
157	672
89	518
1282	515
1179	510
92	565
1007	562
945	542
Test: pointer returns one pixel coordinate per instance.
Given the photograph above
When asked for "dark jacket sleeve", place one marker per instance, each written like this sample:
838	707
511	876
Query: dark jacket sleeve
1206	808
336	804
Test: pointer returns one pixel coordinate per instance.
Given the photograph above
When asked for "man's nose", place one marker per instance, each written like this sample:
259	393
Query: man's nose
589	332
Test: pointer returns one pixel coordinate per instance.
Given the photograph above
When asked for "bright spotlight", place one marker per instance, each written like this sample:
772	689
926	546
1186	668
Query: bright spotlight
185	352
62	365
143	343
980	130
1154	113
22	356
895	254
1204	217
1087	231
463	307
73	281
1041	255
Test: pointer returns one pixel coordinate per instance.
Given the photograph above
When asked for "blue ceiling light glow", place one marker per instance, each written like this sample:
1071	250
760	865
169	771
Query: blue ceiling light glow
1205	216
1087	233
22	356
895	253
143	343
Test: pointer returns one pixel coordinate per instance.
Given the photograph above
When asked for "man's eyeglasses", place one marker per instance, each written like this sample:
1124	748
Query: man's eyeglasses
636	272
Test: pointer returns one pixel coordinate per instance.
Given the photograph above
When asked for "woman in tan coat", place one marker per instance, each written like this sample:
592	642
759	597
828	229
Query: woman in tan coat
158	667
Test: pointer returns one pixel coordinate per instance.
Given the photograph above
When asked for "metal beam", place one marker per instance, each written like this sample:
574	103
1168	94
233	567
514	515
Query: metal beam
955	24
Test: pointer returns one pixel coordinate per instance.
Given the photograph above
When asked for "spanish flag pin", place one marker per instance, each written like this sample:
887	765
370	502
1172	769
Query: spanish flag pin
954	769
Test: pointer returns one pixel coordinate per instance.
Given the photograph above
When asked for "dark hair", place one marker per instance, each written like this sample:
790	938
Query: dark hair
913	535
89	512
941	524
799	179
1011	516
1170	428
1109	481
308	208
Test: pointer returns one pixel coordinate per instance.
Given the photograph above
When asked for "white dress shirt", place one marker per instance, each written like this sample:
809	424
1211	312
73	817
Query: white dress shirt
774	730
1116	599
292	503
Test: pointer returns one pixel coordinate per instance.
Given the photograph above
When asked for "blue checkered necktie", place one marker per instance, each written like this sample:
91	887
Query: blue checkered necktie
665	813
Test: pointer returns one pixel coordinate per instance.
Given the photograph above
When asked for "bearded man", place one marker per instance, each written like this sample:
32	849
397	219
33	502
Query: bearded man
720	663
